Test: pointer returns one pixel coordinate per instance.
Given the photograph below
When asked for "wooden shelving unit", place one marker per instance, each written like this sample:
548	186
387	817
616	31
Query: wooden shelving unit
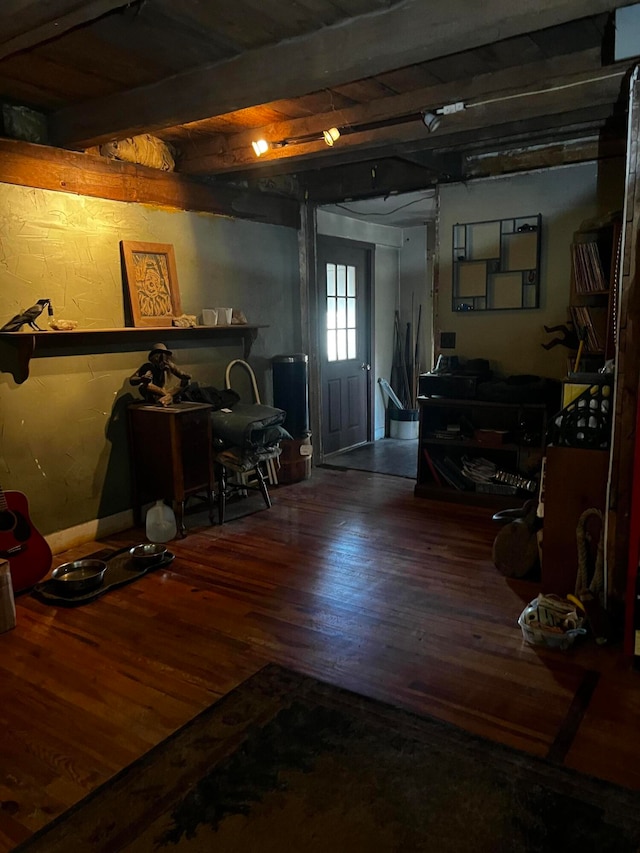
18	348
595	254
523	426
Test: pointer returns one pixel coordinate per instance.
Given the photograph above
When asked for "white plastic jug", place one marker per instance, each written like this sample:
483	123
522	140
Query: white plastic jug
161	523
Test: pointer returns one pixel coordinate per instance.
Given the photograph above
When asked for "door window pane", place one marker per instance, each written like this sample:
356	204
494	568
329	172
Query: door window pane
351	343
331	279
351	281
331	312
351	314
342	344
341	312
332	352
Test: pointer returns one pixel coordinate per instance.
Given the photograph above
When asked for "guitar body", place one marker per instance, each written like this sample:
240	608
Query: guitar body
26	550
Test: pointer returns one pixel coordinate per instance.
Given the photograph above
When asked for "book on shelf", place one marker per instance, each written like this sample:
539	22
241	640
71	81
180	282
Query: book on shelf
588	275
444	435
452	473
594	322
432	467
445	476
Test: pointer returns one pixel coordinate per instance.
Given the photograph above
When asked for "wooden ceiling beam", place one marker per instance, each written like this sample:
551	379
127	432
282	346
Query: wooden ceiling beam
418	170
542	157
545	72
543	130
28	165
27	23
490	99
411	32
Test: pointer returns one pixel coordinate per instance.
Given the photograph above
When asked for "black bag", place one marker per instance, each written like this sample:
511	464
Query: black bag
225	399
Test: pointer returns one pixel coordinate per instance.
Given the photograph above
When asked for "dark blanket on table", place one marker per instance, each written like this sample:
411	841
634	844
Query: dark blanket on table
248	425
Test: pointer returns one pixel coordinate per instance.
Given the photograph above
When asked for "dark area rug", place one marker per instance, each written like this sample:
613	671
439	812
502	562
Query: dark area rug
287	763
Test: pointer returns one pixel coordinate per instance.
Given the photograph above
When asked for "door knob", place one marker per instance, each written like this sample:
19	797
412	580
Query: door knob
365	366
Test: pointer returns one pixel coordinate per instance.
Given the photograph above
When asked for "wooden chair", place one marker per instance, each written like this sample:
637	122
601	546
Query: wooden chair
240	463
270	463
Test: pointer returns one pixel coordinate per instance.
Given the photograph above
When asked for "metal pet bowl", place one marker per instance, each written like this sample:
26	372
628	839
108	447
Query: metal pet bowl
78	577
148	555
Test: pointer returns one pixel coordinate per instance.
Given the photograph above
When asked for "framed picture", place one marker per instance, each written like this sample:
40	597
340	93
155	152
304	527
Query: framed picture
150	272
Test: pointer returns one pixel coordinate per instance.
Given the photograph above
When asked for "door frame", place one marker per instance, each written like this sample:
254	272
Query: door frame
311	300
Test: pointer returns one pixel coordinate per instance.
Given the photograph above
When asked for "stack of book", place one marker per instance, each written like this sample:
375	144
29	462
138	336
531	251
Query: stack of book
445	470
587	268
594	322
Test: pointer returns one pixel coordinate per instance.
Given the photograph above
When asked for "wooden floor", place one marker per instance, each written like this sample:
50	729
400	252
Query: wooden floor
348	578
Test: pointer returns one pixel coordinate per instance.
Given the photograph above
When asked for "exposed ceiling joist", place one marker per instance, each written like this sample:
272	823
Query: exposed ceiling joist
532	131
26	23
537	157
411	32
220	154
490	107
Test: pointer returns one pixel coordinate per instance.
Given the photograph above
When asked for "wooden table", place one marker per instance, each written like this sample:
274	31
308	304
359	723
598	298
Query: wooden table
171	455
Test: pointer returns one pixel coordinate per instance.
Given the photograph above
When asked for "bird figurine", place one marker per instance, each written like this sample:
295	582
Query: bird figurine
29	316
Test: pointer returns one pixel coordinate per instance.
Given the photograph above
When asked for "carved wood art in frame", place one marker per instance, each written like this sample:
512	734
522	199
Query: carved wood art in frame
152	281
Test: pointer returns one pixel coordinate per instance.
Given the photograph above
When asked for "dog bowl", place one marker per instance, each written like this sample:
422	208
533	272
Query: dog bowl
78	577
148	555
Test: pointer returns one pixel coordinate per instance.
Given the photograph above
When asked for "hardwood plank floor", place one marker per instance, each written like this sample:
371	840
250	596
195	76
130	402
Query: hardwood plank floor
348	578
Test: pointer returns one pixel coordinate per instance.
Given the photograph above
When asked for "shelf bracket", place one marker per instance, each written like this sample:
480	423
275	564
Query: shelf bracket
249	337
16	351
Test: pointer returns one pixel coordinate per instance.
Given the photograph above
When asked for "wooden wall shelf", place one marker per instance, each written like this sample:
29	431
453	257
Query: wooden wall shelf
18	348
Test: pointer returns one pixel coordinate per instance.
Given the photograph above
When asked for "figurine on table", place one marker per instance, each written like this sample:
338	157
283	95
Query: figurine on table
159	378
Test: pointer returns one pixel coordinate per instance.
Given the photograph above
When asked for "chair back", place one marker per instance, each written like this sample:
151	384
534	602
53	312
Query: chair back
254	385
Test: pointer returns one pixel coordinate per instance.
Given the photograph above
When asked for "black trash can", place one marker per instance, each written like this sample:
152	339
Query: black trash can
291	391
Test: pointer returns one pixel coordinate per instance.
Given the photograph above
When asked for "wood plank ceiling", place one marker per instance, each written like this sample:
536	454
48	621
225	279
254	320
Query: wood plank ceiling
208	78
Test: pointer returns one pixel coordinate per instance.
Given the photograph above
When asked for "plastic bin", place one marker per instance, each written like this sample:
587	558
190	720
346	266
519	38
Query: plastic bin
403	423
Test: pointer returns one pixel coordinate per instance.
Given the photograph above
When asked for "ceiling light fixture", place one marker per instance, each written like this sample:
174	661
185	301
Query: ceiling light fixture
331	135
260	147
431	118
431	121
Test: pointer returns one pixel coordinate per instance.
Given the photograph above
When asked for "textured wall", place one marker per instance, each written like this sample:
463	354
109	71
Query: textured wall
386	301
62	432
416	287
511	339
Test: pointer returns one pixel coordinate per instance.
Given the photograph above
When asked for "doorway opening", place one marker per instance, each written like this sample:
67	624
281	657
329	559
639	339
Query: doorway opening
345	312
398	232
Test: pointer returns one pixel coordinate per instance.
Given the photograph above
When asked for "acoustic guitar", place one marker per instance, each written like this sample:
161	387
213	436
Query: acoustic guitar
26	550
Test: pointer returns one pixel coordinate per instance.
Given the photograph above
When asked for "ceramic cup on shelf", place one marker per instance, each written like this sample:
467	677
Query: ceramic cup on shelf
209	316
224	316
